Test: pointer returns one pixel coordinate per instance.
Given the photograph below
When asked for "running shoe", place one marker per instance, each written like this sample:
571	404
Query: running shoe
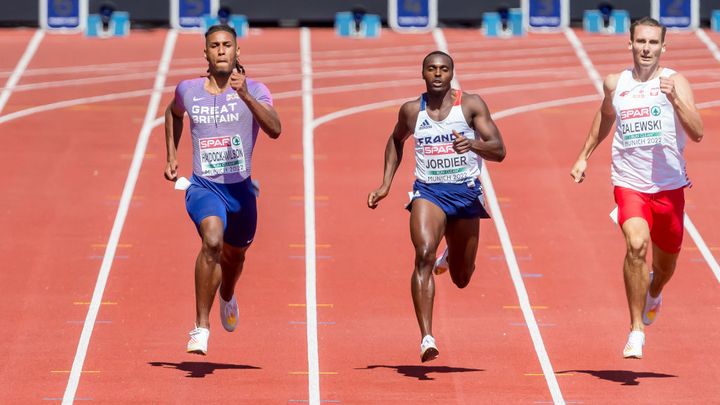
652	306
198	341
633	347
229	313
428	349
441	264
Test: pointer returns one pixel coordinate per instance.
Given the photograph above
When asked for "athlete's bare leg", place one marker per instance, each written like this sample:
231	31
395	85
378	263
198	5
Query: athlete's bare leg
635	268
427	225
663	265
208	272
462	239
232	262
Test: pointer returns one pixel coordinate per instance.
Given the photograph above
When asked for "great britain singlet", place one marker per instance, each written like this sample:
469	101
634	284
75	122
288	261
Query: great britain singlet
223	129
647	149
435	159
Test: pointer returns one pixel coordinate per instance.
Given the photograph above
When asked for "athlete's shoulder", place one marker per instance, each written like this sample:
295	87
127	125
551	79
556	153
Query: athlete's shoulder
611	81
473	104
471	98
188	84
259	90
411	107
668	72
256	85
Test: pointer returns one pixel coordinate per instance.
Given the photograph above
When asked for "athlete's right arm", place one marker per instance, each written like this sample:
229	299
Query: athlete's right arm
599	130
173	132
394	150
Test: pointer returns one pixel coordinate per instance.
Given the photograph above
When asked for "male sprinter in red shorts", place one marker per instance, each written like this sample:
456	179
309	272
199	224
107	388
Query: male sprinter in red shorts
655	112
226	109
450	129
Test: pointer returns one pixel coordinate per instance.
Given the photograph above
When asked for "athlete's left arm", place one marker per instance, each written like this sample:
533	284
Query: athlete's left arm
677	90
488	142
264	113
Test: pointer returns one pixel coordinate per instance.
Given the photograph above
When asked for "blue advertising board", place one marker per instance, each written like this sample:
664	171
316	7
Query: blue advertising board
543	15
676	14
63	15
188	14
412	15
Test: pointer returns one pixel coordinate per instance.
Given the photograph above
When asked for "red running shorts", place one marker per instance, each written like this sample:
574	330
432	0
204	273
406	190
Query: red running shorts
663	212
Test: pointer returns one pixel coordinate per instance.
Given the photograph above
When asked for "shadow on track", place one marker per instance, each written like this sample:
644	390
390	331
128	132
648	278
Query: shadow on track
625	377
421	372
199	369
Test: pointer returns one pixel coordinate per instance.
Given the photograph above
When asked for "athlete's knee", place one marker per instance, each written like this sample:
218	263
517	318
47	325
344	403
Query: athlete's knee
462	278
234	256
212	246
424	257
637	247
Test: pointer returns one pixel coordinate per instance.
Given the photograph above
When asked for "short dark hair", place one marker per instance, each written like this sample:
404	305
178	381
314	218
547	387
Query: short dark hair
650	22
221	27
441	53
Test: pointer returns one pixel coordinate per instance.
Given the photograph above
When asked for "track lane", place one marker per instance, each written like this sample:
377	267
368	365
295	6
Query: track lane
268	347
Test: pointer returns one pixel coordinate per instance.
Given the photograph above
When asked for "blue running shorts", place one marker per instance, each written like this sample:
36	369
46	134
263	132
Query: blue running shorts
235	204
462	200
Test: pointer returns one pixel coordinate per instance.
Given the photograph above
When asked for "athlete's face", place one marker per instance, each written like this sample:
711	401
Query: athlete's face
647	45
221	52
437	73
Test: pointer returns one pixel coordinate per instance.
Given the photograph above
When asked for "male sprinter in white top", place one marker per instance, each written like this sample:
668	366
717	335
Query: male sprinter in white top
450	129
655	112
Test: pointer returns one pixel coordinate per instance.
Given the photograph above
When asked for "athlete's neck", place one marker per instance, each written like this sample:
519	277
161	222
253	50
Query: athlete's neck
643	74
435	101
217	82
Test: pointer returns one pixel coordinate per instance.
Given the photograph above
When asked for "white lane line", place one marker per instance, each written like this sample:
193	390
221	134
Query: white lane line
73	102
702	247
310	259
514	268
283	95
709	43
32	46
689	226
497	116
585	60
707	104
595	77
129	188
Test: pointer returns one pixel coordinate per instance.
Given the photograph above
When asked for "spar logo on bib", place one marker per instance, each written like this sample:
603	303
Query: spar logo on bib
642	112
236	140
215	142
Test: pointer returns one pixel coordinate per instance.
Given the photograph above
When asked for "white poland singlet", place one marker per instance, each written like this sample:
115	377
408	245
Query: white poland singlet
647	149
435	159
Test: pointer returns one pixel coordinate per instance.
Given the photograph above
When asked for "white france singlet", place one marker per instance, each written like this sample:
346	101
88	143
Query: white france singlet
647	149
435	159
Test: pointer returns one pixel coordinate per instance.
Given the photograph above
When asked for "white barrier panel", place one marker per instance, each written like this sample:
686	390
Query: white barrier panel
412	15
676	14
63	15
546	15
188	14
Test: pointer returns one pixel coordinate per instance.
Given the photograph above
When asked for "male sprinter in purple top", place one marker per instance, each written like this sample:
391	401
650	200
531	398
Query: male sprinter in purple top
226	110
452	130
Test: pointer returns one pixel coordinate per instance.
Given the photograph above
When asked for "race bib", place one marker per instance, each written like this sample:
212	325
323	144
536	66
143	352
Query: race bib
221	155
641	126
443	165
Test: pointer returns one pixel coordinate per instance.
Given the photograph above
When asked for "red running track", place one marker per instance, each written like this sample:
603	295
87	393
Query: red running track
69	165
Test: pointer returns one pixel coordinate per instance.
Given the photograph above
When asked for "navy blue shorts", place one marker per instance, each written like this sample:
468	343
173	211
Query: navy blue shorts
235	204
463	200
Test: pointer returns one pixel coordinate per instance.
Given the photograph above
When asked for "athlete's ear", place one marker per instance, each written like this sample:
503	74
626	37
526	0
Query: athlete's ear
630	45
663	48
